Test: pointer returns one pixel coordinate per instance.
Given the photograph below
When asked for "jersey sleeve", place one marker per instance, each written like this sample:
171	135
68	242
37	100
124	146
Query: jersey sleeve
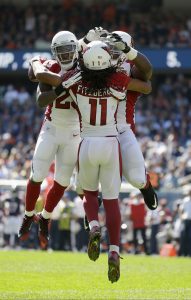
52	65
119	81
69	74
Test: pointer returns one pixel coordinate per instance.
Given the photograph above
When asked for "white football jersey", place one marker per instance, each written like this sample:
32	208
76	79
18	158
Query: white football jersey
126	109
97	111
62	111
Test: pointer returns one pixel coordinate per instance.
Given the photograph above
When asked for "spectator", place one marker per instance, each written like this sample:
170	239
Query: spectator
185	239
64	223
137	216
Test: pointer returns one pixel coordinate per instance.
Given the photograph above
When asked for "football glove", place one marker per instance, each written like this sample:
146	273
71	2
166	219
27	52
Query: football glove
121	45
36	58
65	85
72	80
95	34
118	95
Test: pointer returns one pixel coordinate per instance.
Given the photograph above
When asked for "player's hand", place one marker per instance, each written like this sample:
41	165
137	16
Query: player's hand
72	80
36	58
96	34
121	45
117	94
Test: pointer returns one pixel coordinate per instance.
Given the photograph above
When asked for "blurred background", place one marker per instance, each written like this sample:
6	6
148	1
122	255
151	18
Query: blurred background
161	29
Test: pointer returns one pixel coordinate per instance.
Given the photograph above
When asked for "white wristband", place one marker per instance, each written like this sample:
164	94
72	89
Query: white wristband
132	54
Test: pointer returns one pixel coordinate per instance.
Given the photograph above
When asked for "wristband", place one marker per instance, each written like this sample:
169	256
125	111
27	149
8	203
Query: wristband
86	40
59	90
132	54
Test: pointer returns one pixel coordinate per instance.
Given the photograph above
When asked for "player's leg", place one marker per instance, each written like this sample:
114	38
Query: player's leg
43	156
65	161
110	179
88	168
80	192
134	168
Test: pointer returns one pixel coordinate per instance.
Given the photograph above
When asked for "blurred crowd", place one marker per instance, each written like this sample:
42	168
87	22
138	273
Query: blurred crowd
163	128
164	231
149	24
163	125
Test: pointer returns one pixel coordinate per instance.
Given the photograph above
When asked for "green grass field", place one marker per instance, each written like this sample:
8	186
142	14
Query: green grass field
58	275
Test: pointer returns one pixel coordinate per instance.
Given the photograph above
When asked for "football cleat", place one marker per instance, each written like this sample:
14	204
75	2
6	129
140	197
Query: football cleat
113	266
94	243
25	227
43	231
150	197
86	224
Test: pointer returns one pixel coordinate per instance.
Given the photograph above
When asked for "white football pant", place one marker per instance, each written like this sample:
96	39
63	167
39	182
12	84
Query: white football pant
99	162
133	165
59	144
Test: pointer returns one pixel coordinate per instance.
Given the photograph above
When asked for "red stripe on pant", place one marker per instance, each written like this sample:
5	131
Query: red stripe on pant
120	160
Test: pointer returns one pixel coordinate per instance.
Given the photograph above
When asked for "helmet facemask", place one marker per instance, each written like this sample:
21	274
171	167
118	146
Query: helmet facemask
66	54
115	53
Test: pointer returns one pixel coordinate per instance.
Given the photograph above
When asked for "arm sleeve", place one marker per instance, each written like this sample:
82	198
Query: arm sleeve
119	81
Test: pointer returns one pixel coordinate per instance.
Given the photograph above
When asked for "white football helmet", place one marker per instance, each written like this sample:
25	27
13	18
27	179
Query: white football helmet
117	54
97	56
64	48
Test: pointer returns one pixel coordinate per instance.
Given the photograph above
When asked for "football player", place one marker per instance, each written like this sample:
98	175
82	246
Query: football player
97	96
138	66
58	139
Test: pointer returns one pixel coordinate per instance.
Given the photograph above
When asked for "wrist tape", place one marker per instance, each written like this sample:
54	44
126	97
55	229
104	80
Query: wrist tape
132	54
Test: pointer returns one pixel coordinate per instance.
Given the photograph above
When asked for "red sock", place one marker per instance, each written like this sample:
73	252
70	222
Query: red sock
32	194
91	205
113	220
53	197
147	183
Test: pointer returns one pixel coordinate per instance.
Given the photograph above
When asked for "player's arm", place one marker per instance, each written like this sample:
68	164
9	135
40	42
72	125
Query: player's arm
42	74
46	94
142	68
143	87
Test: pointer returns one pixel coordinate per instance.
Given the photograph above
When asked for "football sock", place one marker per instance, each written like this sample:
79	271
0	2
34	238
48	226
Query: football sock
53	197
46	214
32	194
93	223
113	220
114	248
29	213
91	205
147	183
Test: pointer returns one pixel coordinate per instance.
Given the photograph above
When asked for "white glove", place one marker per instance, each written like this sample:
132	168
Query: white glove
119	95
66	84
35	58
96	34
72	80
121	45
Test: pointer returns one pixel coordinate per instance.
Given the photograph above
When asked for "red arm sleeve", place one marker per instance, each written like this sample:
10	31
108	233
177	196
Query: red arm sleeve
119	81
